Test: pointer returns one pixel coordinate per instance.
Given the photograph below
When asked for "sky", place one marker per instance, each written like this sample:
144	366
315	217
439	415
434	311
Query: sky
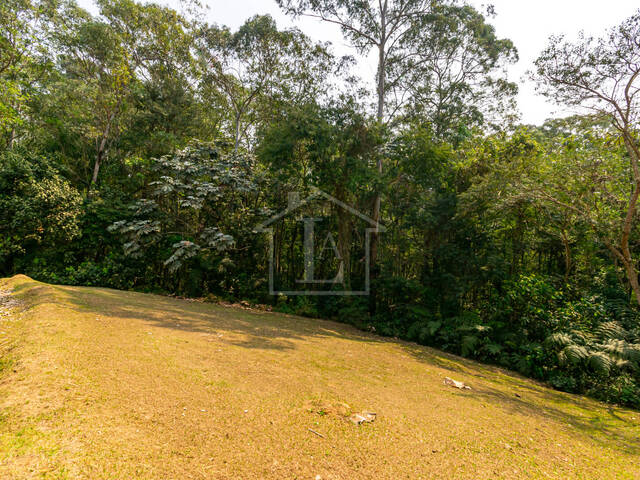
527	23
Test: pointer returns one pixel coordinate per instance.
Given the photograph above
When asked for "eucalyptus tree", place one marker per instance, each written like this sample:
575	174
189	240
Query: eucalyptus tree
452	72
259	62
368	25
602	76
105	61
465	51
442	48
23	59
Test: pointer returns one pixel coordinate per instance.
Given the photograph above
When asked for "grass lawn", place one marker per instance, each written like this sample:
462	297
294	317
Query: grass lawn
102	384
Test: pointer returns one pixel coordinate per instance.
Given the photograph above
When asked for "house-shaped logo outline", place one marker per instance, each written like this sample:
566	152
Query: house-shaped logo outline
316	193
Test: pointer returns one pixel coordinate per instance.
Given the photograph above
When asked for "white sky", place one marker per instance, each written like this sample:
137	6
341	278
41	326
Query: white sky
527	23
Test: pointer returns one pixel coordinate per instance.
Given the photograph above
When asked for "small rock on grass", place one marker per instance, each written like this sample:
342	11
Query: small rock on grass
363	417
456	384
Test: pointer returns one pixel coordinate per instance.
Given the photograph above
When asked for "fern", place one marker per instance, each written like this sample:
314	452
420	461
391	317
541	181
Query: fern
601	363
581	337
433	327
621	364
559	340
623	350
468	345
493	348
573	354
611	330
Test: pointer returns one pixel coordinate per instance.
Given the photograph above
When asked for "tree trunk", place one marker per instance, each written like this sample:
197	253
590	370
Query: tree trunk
344	232
381	81
373	258
625	253
101	150
237	132
627	259
96	165
632	275
12	138
567	254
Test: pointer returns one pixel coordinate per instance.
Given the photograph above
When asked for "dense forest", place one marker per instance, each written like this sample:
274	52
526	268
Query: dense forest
140	147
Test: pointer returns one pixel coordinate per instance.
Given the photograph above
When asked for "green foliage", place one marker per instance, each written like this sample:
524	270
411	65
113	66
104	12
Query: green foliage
194	186
38	208
595	355
139	148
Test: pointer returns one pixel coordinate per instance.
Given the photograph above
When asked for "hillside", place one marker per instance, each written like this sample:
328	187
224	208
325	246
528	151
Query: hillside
98	383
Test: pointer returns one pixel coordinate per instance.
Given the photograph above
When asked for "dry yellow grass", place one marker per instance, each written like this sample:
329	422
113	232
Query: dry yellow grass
101	384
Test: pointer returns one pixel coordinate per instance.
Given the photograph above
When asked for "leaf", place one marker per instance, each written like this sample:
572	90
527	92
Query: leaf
559	340
493	348
184	251
611	330
573	354
468	344
600	362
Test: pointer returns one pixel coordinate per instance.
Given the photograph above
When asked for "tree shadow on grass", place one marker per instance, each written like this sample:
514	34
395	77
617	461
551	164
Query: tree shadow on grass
602	425
280	332
252	329
517	394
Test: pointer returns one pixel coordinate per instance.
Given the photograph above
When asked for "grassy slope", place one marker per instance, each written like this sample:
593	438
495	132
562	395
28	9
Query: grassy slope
108	384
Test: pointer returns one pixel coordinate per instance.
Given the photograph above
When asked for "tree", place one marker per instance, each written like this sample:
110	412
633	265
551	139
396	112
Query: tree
325	147
194	187
455	79
603	76
369	25
23	59
38	207
96	69
259	62
104	61
399	30
158	41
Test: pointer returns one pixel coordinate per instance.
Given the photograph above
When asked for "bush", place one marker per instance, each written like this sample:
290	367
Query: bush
38	207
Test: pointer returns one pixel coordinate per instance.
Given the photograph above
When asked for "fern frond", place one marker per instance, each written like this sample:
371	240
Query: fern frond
559	340
468	344
601	363
624	364
493	348
573	354
623	350
581	337
611	330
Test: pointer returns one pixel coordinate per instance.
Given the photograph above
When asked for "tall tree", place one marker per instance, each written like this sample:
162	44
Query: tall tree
379	25
603	76
398	31
452	75
23	58
104	60
259	62
96	69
